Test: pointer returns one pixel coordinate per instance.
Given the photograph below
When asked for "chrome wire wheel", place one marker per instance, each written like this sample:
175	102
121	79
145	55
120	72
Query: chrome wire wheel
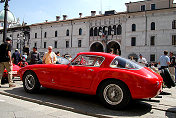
29	82
113	94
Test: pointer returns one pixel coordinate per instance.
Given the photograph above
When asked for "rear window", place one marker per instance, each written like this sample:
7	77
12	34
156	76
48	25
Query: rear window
120	62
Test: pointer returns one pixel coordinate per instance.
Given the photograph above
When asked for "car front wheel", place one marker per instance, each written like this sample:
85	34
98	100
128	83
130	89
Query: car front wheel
114	94
30	82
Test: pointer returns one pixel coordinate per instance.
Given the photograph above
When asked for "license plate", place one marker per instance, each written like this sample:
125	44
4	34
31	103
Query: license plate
14	72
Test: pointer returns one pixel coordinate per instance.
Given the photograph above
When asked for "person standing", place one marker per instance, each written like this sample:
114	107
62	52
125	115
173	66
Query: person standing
172	65
16	57
142	60
34	56
164	60
49	57
6	61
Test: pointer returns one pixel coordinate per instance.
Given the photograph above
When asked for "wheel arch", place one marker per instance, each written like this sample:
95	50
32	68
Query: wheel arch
27	72
108	79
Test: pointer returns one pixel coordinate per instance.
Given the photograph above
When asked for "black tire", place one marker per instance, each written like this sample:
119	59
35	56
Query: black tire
167	78
30	82
114	94
4	80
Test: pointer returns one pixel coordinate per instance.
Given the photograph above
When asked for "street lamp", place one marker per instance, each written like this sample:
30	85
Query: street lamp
5	18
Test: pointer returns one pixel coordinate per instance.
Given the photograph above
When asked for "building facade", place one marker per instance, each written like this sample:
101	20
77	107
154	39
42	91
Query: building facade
147	27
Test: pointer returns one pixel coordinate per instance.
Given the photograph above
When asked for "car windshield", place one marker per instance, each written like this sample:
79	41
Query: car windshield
61	60
120	62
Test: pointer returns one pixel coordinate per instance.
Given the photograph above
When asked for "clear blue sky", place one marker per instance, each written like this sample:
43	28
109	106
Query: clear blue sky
37	11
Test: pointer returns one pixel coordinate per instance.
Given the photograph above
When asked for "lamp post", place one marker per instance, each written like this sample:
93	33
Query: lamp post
5	18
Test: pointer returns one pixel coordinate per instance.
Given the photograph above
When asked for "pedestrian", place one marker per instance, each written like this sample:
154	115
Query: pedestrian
164	60
49	57
172	65
6	61
34	56
25	55
59	58
142	60
111	51
16	57
132	58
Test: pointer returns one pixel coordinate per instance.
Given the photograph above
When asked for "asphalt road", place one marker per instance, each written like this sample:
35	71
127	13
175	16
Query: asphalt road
161	107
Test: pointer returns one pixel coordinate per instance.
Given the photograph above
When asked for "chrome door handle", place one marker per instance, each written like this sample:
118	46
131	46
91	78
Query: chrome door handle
91	69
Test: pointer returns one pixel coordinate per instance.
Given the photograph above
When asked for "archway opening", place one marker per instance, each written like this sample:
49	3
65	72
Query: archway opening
96	47
114	46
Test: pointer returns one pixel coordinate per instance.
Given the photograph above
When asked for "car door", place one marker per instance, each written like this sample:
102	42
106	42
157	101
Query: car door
81	73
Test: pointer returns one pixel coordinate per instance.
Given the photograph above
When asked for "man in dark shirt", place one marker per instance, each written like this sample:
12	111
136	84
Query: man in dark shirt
16	57
6	61
34	56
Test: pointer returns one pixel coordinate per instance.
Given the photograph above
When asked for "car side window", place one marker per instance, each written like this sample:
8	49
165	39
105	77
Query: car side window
120	62
88	60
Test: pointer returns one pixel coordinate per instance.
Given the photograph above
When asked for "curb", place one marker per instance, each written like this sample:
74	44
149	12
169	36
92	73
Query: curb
54	105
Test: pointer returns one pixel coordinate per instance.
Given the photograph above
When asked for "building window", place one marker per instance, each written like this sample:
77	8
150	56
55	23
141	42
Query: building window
142	7
35	35
55	44
153	26
17	45
18	35
35	44
174	24
44	44
55	33
153	6
133	27
95	32
152	57
79	43
119	30
173	39
100	31
80	31
67	44
91	32
115	30
109	30
67	33
45	35
133	41
152	40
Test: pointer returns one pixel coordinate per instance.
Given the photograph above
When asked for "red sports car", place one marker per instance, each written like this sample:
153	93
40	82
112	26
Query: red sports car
114	79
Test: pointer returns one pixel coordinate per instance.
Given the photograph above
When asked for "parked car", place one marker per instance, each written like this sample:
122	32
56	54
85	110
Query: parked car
15	73
114	79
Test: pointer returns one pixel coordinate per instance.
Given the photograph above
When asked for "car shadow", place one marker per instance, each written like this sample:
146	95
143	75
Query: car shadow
81	102
171	113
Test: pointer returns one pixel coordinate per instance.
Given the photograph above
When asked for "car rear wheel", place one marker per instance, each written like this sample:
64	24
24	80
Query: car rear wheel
30	82
114	94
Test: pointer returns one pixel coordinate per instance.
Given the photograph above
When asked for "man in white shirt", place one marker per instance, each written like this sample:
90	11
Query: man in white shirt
49	57
142	60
